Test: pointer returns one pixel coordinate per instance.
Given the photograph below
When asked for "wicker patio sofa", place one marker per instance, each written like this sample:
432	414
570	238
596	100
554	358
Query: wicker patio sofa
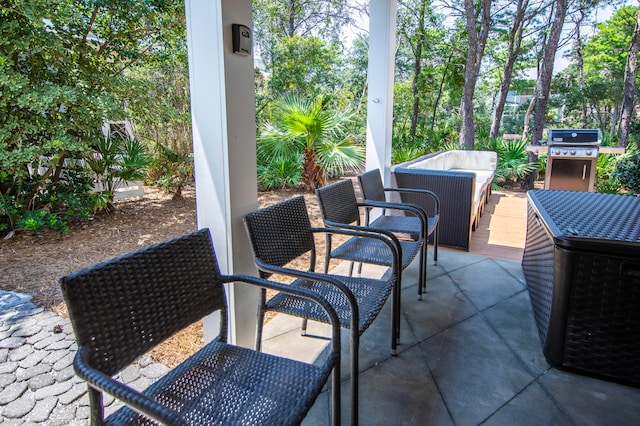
461	180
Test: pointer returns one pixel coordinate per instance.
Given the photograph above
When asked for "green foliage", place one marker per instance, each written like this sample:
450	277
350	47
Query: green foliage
604	57
306	65
606	181
283	174
116	160
311	132
63	71
627	171
513	161
405	153
172	170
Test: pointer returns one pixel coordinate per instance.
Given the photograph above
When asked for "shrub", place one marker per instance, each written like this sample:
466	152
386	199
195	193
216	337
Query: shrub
628	171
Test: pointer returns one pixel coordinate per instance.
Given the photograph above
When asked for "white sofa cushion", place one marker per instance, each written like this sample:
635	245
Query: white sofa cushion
480	163
459	160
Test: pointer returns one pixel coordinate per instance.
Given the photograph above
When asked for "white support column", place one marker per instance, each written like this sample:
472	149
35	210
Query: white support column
223	114
382	36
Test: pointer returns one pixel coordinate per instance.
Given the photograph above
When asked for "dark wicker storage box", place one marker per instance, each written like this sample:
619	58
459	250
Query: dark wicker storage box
582	267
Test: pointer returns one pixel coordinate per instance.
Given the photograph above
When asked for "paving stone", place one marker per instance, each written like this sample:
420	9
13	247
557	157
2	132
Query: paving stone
54	356
33	359
13	422
83	413
67	327
141	384
62	415
28	373
12	392
9	299
53	390
64	362
107	399
4	353
18	408
84	401
8	367
12	342
49	340
154	371
73	394
67	374
27	330
38	337
6	379
130	374
41	381
145	361
52	320
18	354
60	344
42	410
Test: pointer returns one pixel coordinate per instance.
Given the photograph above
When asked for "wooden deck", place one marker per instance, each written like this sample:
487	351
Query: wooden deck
503	226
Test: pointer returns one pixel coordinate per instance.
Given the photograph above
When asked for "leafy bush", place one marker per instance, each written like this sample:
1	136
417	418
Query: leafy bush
606	181
275	175
116	160
628	171
53	207
513	160
171	170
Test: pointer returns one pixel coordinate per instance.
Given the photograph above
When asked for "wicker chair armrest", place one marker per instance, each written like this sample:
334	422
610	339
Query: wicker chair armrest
431	194
306	294
383	235
415	209
313	276
130	397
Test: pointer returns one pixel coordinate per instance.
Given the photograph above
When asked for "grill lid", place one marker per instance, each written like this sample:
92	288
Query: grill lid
575	137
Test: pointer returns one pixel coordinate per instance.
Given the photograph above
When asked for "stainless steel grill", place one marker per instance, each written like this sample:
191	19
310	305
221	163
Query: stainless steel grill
571	159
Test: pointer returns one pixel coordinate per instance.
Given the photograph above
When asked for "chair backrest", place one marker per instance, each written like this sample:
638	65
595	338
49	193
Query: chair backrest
123	307
338	202
371	185
281	232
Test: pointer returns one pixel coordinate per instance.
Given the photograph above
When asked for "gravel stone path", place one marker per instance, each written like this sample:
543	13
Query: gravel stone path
37	381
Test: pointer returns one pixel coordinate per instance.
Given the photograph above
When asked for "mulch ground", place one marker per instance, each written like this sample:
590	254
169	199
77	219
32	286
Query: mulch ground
31	264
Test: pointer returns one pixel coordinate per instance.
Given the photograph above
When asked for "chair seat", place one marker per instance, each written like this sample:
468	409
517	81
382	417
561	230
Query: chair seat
374	251
371	294
404	224
257	389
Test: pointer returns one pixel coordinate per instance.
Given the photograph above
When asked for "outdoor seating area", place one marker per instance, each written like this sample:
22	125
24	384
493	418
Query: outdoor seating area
460	179
469	352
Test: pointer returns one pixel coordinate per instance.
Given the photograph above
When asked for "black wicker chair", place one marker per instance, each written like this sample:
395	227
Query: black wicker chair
409	223
122	308
340	209
281	233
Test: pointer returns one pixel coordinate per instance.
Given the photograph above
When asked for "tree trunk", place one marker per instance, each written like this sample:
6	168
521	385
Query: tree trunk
527	116
581	69
543	84
614	122
312	174
629	86
477	42
515	41
438	97
417	70
292	18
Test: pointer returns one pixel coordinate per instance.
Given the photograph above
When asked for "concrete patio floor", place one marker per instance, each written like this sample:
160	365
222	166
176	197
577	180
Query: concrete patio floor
469	354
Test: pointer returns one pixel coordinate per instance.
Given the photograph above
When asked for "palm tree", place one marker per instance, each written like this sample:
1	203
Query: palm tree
313	133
